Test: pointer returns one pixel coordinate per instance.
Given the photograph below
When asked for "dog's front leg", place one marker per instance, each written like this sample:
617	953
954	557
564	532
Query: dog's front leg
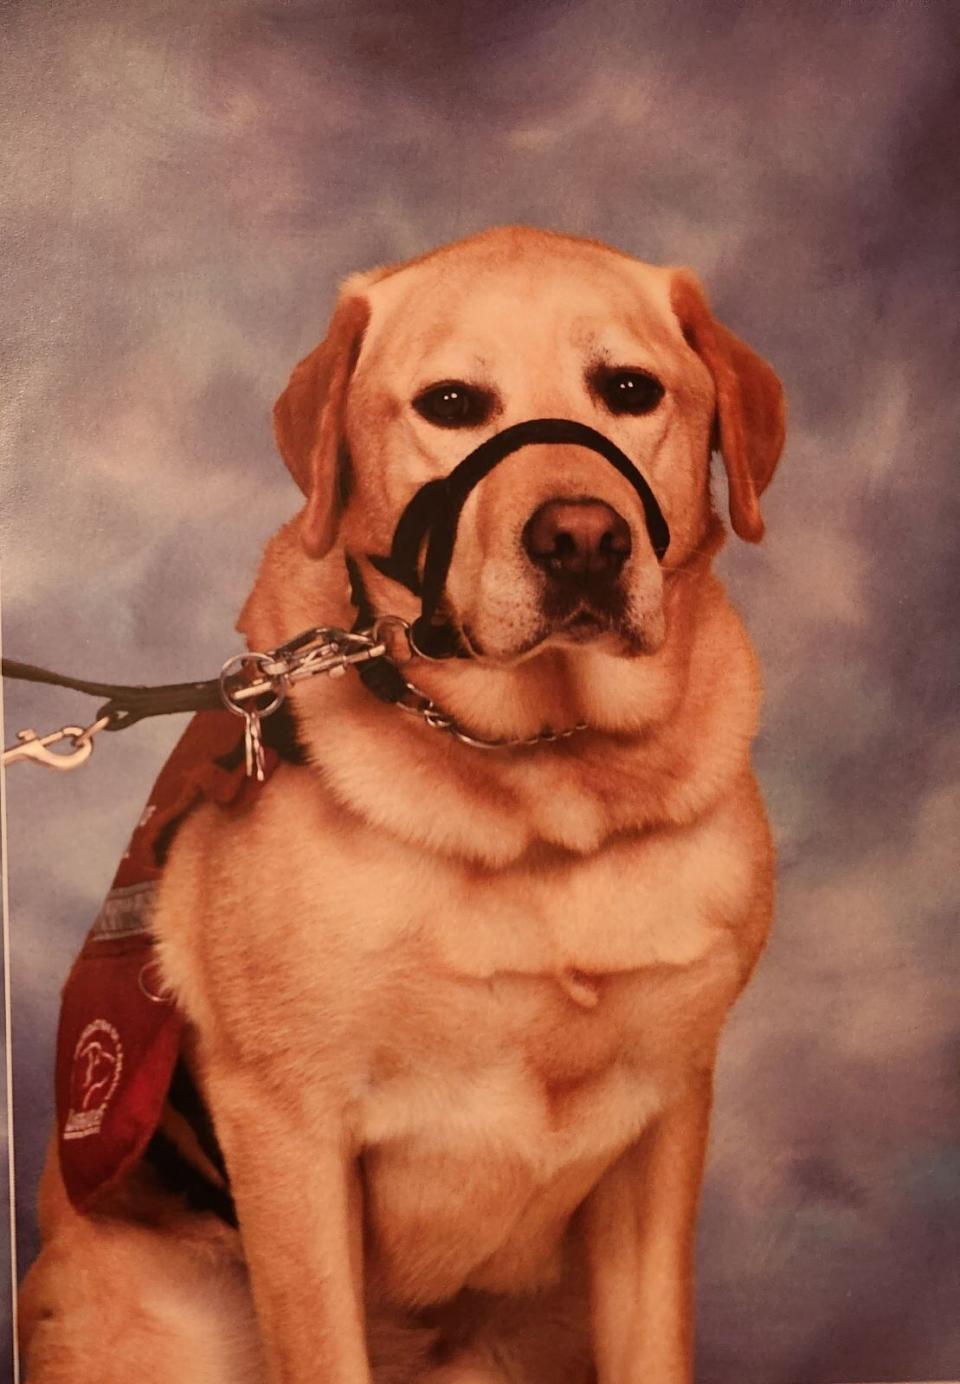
640	1225
299	1203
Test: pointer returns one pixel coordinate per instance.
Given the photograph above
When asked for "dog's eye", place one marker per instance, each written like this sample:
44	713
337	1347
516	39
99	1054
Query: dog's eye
454	405
628	391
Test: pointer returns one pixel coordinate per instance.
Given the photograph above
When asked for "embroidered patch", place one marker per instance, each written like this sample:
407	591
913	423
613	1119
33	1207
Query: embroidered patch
125	912
97	1064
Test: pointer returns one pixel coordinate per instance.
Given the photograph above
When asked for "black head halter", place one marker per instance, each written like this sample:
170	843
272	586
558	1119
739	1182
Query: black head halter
434	513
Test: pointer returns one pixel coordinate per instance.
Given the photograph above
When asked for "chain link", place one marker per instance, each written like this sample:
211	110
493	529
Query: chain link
429	712
332	651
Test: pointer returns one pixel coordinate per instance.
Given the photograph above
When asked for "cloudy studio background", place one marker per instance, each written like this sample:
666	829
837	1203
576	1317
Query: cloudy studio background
189	179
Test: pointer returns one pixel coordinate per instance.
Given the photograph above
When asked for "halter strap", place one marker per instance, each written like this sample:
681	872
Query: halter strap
434	514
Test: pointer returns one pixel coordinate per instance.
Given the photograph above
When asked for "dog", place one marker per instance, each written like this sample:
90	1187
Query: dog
455	1011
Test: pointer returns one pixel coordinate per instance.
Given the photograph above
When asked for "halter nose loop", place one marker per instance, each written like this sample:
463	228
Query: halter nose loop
434	513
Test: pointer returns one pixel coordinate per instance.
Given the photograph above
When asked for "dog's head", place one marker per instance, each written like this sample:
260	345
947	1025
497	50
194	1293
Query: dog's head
422	361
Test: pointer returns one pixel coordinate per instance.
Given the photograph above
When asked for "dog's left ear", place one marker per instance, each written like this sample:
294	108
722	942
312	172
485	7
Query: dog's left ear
750	415
309	418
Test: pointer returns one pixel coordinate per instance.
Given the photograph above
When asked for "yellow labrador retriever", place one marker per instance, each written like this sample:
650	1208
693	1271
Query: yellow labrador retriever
455	1011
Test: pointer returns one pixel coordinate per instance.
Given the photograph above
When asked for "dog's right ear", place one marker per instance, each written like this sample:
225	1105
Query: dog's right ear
309	419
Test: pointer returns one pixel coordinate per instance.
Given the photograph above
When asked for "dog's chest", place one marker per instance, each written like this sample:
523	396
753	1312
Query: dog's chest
485	1120
535	1066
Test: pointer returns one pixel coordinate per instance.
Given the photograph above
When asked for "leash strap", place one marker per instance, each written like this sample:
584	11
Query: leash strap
251	685
126	704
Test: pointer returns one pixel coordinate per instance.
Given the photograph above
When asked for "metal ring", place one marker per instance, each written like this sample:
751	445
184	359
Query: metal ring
164	997
423	703
436	719
416	649
387	620
86	735
383	625
235	664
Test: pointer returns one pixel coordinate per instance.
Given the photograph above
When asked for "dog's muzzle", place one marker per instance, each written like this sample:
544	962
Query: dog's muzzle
434	512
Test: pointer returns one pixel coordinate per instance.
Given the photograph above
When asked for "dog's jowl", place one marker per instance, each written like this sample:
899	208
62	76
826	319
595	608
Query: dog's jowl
404	1073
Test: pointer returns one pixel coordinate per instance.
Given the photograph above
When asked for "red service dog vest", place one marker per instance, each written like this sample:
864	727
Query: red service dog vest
119	1035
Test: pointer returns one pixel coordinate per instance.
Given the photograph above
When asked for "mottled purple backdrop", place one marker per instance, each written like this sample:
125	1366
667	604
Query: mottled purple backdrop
190	179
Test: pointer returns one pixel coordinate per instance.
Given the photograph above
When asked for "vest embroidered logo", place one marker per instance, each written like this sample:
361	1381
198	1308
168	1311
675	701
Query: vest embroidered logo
97	1064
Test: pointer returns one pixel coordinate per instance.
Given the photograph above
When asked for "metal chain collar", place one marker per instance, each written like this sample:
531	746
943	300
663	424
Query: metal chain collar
330	650
254	685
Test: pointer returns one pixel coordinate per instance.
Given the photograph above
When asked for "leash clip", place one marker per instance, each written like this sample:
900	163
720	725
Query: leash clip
40	749
254	685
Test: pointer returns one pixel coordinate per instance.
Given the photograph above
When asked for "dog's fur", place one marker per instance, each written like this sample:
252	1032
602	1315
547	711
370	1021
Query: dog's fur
456	1013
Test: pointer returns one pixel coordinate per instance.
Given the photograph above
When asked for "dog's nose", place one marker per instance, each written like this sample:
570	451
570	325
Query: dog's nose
577	537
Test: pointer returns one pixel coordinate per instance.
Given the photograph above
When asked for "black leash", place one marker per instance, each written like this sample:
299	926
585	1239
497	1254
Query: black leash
126	704
251	685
